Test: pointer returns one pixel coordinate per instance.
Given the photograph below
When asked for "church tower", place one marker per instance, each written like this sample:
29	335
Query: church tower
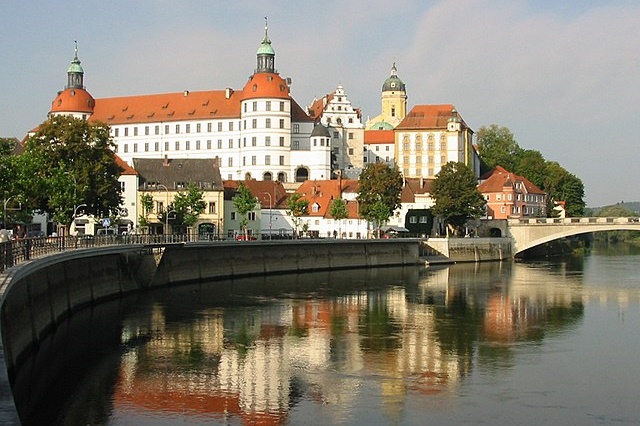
74	100
266	56
394	103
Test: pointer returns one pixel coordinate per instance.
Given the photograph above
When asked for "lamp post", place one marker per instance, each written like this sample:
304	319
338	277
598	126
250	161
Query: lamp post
270	204
75	209
4	214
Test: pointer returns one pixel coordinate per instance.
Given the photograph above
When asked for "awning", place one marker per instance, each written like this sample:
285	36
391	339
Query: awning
393	228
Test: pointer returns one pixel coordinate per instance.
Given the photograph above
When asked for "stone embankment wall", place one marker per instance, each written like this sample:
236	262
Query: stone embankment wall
452	250
38	295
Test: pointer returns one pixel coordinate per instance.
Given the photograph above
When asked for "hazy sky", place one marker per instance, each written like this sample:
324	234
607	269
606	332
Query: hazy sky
564	76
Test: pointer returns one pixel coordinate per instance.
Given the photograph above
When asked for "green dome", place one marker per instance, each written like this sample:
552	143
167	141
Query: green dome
265	47
393	83
381	125
75	66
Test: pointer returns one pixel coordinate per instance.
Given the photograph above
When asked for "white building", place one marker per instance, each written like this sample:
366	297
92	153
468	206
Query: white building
258	132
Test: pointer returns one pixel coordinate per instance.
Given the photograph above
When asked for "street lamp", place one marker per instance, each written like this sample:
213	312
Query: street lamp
4	216
75	209
270	204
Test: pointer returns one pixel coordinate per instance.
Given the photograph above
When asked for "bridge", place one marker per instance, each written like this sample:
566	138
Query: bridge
530	232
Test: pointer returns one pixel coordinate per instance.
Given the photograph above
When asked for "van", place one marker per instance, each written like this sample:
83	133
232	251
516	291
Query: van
102	232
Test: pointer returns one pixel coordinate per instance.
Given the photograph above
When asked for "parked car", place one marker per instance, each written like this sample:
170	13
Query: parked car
245	238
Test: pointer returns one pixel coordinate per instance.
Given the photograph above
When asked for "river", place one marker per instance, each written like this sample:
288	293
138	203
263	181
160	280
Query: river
544	343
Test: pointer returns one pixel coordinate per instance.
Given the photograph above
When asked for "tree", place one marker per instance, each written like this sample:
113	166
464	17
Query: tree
379	185
338	211
146	203
456	196
297	207
188	205
531	164
244	202
69	162
498	147
561	185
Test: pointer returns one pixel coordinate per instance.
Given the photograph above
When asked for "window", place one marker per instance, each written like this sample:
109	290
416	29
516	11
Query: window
281	140
350	135
498	197
231	126
282	160
295	145
157	130
387	148
251	215
187	145
336	135
230	162
282	106
254	105
212	207
282	123
166	129
220	126
350	151
209	125
197	145
502	209
268	106
315	208
135	147
177	129
177	145
253	160
146	130
296	128
230	143
413	219
254	141
116	132
156	146
267	141
126	147
423	219
126	131
187	128
233	215
254	123
166	146
377	148
208	144
146	147
267	160
267	123
219	143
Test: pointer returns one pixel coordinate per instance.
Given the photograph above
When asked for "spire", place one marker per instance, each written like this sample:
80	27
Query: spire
266	54
75	73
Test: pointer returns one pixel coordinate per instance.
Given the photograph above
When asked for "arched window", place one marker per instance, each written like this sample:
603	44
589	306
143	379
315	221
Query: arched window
267	176
302	174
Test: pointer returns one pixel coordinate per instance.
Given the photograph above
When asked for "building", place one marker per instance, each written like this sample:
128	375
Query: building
379	146
163	179
258	132
393	103
344	124
431	136
509	195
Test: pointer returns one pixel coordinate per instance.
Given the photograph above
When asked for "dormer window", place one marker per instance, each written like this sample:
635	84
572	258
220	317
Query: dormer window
315	208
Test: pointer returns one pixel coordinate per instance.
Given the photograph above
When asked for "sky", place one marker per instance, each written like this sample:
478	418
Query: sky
563	76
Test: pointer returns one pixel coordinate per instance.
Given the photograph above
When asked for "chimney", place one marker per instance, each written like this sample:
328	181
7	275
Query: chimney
228	92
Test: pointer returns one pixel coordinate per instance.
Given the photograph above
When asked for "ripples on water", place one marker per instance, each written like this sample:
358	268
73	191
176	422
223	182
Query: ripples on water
530	343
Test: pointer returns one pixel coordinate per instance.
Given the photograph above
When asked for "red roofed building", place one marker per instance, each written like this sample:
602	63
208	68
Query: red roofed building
258	132
509	195
379	146
431	136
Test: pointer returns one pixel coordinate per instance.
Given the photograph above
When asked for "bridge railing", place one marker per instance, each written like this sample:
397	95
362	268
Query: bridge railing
572	220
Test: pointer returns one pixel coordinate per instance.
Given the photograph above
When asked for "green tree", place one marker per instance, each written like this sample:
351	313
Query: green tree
146	203
456	196
560	185
244	202
379	185
69	162
338	211
498	147
531	164
297	207
189	205
8	174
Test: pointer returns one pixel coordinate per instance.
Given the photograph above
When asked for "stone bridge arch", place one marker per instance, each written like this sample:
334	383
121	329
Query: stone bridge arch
529	233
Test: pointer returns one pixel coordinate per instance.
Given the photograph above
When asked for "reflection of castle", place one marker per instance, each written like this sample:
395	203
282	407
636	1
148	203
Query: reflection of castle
249	364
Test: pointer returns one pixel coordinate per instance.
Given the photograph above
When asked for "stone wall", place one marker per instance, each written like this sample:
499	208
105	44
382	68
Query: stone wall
452	250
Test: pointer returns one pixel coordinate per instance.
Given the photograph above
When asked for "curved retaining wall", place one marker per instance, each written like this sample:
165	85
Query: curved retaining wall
40	294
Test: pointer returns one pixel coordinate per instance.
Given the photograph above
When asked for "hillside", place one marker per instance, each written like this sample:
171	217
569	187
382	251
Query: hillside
633	206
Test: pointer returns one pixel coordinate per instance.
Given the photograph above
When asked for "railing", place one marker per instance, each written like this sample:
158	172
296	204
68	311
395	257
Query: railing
14	252
572	220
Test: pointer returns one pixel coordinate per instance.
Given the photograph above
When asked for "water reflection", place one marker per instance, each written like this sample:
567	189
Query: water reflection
278	349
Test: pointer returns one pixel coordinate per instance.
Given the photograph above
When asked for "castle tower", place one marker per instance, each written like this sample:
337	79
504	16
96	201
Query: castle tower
74	100
393	103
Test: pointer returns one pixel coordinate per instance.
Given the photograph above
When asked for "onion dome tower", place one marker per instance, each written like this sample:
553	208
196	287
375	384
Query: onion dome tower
74	100
393	103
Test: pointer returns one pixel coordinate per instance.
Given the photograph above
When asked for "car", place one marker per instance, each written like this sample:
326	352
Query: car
245	238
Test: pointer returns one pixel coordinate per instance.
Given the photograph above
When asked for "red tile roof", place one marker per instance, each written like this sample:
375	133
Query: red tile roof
73	100
260	189
373	137
266	85
413	187
323	192
126	169
498	178
427	117
317	106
